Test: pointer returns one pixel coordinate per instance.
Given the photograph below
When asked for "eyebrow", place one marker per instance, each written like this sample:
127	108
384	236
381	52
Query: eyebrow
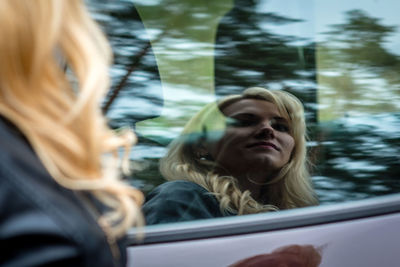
278	118
243	114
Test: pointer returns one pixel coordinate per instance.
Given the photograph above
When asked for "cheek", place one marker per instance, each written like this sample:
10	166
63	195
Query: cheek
228	144
219	149
289	145
214	147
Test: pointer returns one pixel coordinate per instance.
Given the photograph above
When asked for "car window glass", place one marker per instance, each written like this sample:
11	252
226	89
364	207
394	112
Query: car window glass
340	58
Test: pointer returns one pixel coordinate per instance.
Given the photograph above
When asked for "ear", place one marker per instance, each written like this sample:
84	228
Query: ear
200	150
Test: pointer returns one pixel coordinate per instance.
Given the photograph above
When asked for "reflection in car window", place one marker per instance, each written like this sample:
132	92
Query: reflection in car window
256	165
341	59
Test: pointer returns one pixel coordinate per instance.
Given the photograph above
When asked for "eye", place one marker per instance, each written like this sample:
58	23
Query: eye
280	126
237	122
241	121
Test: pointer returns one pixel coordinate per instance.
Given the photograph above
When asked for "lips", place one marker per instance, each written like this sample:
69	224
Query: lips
263	144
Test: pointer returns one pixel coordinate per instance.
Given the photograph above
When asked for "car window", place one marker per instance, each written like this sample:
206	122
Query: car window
340	58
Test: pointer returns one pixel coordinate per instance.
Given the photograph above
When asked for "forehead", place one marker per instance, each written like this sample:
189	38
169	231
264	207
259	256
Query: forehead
254	106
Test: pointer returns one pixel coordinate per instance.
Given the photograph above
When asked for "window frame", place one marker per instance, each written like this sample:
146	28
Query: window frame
267	222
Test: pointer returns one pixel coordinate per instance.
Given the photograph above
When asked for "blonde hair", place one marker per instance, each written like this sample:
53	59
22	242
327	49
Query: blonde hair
61	118
290	189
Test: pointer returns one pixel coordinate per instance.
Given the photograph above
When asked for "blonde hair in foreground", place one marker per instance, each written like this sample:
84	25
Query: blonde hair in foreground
290	189
62	121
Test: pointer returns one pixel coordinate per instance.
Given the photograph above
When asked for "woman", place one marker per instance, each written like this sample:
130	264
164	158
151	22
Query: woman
61	198
246	154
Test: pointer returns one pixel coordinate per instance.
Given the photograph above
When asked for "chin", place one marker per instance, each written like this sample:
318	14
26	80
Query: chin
262	162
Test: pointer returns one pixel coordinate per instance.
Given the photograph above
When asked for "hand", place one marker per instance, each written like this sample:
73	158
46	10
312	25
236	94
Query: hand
288	256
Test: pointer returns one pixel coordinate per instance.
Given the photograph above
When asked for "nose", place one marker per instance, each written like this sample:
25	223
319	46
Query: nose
265	130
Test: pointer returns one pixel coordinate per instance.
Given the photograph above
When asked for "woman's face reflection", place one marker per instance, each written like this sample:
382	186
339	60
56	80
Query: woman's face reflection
257	139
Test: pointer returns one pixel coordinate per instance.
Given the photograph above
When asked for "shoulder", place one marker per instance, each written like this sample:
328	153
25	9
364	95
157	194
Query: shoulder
180	200
178	191
41	222
180	186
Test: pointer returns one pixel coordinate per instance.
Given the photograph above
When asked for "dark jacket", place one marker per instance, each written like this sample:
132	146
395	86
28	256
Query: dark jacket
179	201
41	222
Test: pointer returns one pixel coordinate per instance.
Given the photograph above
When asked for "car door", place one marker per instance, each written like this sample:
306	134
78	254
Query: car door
362	233
341	58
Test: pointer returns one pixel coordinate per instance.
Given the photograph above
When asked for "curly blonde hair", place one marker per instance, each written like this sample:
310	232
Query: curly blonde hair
291	188
59	113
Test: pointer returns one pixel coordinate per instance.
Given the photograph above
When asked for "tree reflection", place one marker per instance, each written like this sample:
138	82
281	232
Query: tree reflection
248	54
134	72
358	76
353	121
358	158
